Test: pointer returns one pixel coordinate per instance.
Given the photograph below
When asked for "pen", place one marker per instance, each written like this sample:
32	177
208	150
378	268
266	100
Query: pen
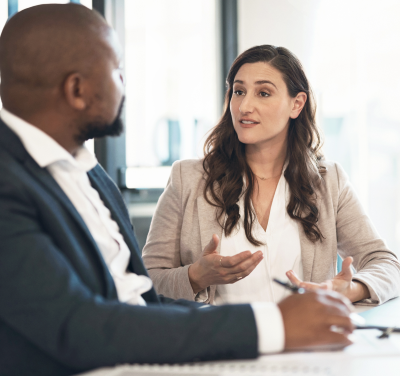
357	320
288	286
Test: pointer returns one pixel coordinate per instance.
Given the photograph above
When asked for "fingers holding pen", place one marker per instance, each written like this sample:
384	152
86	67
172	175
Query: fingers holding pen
316	318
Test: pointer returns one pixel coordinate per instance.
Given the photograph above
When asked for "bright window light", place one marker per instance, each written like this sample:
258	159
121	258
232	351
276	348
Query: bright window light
147	177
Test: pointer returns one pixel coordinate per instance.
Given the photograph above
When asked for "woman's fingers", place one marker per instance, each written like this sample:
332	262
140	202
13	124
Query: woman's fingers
254	259
231	261
294	278
247	269
232	269
327	285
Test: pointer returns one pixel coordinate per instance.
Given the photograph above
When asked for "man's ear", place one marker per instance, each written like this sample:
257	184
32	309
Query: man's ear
74	90
298	103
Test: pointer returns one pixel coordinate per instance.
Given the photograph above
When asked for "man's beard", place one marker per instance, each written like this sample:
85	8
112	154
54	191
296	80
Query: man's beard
98	129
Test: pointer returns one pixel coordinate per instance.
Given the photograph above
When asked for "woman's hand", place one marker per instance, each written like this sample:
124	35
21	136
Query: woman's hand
342	283
214	269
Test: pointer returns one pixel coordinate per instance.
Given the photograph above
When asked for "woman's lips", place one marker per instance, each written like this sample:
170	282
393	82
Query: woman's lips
248	123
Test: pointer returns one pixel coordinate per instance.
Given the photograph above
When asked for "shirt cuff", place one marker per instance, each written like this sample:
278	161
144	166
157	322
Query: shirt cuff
201	297
271	332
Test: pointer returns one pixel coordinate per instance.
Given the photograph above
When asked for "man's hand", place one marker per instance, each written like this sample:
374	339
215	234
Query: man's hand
308	319
214	269
342	283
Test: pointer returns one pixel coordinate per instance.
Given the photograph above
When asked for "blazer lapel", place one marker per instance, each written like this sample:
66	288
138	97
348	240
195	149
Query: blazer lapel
307	254
106	189
208	222
309	250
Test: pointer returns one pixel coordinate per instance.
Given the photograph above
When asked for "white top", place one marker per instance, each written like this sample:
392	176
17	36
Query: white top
281	249
70	172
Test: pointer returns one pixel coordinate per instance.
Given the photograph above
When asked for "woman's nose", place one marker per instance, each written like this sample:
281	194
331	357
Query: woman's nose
246	106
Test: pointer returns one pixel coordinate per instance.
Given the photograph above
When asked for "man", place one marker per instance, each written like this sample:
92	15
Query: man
74	294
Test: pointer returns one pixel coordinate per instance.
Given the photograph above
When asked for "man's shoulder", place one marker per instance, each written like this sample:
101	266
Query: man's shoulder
12	170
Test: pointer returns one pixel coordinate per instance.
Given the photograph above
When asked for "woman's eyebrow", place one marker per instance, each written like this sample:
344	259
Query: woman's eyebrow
257	83
265	82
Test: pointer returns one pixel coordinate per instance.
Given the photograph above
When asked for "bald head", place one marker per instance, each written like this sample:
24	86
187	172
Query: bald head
39	46
60	71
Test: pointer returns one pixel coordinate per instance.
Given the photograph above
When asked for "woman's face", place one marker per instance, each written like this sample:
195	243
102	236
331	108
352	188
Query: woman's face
261	106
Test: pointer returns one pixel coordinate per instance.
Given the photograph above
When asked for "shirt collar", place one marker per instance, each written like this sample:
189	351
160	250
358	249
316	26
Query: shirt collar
44	149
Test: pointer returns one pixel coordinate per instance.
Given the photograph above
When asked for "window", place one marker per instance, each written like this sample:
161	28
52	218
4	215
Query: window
172	84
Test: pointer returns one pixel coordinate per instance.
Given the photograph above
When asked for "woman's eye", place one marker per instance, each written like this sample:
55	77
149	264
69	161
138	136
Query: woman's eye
264	94
238	92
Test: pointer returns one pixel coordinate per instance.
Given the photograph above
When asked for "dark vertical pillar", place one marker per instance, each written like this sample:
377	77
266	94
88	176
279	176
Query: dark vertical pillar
12	7
100	6
229	35
111	151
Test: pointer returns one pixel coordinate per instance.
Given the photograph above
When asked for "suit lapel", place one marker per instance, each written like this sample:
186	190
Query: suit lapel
48	182
106	189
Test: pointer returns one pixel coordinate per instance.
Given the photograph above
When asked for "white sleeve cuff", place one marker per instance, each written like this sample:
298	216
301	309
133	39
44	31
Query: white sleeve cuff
271	332
202	296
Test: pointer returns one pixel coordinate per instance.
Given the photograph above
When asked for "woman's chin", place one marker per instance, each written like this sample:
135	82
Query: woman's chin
251	140
248	139
265	139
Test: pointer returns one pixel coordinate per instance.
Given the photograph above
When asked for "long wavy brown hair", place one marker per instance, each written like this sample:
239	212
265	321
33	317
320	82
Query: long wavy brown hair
225	160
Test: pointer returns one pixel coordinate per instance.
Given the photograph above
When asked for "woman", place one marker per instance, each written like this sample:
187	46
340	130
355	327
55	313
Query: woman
264	189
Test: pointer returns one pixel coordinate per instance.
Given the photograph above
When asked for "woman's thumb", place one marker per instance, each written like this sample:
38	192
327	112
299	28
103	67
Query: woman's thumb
212	246
346	267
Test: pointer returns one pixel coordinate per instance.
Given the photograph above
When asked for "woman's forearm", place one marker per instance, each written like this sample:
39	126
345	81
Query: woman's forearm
358	291
194	281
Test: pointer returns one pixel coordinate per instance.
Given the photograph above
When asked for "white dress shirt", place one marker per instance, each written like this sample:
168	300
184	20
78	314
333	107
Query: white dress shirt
281	249
282	252
70	172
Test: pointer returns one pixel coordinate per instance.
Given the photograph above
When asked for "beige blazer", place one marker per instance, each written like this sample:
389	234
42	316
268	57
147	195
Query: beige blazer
184	222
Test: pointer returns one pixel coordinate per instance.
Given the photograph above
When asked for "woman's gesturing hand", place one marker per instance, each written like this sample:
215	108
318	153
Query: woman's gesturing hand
342	283
214	269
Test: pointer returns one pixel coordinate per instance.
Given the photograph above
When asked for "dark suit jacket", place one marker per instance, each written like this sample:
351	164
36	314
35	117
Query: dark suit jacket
59	312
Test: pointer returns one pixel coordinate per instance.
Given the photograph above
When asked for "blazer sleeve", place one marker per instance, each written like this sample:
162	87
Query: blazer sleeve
376	266
161	254
45	301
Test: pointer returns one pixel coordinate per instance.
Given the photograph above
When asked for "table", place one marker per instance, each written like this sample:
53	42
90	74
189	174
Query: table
367	357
